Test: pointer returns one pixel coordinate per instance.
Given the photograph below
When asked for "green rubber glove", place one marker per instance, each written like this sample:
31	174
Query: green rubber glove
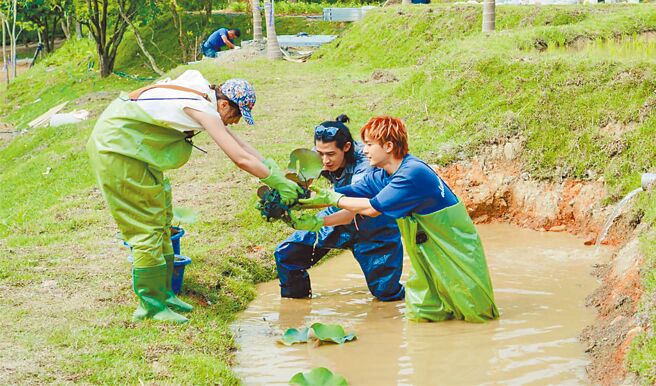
306	222
323	197
287	188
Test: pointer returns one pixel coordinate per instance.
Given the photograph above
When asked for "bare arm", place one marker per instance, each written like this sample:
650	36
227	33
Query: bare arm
342	217
231	147
227	42
245	145
358	205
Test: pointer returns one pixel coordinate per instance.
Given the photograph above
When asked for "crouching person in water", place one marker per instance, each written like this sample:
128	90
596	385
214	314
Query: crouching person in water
148	131
449	278
375	242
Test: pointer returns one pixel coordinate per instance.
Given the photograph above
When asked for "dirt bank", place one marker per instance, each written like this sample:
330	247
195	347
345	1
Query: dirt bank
495	188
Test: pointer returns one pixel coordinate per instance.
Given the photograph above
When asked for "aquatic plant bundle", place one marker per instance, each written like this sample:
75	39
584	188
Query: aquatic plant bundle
304	167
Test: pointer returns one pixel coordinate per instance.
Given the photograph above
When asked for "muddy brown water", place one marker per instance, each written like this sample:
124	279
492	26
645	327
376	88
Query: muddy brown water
540	281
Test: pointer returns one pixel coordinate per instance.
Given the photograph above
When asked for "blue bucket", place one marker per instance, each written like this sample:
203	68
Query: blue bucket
179	264
175	242
175	239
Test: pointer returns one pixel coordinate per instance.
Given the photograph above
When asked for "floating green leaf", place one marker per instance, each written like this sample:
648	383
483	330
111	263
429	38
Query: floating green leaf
319	376
293	335
331	333
185	215
306	164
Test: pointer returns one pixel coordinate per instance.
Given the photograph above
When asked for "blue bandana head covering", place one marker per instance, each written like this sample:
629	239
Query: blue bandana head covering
240	92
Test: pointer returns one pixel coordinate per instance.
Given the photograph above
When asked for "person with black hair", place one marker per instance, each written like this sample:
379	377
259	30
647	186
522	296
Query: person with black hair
220	38
375	242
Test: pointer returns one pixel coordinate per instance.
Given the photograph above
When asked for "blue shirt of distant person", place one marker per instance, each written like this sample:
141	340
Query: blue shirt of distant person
222	37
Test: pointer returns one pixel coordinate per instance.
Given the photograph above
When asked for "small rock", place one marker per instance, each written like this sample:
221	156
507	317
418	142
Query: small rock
525	176
589	242
558	228
509	151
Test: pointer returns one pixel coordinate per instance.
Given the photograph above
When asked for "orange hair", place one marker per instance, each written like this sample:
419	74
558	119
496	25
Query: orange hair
387	129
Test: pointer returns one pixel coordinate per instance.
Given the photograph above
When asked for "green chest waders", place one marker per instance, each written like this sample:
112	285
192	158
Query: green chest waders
449	278
129	150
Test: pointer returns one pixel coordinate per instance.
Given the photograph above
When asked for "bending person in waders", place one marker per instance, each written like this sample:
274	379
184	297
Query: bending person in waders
449	278
375	242
148	131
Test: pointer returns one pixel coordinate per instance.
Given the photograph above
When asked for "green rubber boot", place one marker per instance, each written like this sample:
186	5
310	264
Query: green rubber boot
150	287
171	299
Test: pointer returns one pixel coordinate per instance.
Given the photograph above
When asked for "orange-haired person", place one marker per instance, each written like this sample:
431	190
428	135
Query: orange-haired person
449	277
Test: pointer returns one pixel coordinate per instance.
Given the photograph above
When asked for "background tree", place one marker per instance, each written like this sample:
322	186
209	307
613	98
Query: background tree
257	20
107	27
273	48
489	15
12	26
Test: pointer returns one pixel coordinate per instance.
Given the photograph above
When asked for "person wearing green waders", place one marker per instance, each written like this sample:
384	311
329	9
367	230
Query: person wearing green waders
449	277
148	131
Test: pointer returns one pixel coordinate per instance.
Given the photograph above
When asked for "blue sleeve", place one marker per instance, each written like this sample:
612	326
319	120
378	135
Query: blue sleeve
224	33
363	187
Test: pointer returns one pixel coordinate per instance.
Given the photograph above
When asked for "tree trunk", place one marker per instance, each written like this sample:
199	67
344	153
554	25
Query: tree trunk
273	48
208	10
140	43
489	15
13	41
257	21
98	21
406	2
78	30
55	22
4	52
177	23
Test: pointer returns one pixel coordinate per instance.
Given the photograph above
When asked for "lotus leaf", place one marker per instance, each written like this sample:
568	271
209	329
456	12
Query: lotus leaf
293	335
331	333
319	376
306	164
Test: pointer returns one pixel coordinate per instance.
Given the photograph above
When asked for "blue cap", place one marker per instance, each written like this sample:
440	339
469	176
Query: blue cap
240	92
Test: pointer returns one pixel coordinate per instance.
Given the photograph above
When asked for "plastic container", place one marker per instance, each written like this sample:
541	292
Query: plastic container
175	239
179	264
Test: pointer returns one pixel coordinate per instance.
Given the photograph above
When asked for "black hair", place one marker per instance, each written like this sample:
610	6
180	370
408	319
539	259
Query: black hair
236	31
342	136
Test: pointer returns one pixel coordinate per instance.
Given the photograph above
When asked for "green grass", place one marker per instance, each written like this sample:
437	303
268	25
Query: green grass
580	116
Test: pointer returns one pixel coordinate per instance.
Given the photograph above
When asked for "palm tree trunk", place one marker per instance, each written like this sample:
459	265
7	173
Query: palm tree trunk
257	21
273	48
489	15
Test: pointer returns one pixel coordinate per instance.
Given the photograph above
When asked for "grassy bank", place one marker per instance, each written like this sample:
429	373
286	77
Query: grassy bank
66	286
